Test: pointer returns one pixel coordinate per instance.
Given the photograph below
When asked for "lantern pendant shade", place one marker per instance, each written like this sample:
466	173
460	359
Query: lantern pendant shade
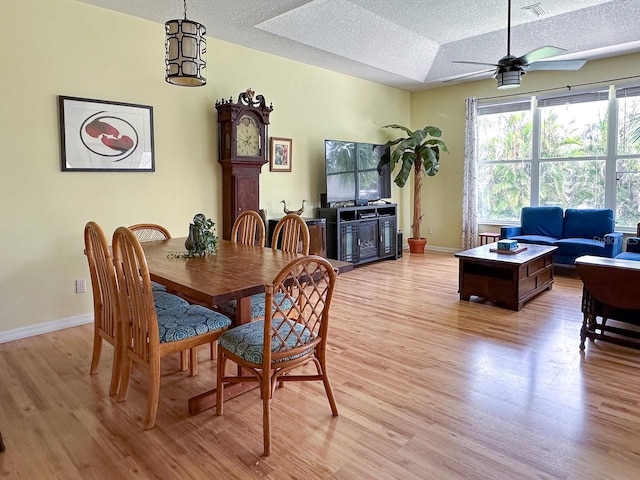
508	79
186	49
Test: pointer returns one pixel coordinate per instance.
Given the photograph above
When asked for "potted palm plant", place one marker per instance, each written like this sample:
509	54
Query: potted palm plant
419	152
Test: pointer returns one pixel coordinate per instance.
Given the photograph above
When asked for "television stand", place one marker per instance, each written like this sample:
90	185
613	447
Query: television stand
361	234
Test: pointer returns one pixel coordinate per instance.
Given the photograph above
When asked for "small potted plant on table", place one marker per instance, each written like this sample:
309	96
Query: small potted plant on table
419	152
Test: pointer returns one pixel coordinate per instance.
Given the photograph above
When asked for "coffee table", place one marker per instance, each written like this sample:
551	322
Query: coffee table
507	279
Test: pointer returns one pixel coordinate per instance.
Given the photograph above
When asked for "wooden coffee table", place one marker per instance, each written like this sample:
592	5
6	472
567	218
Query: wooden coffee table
507	279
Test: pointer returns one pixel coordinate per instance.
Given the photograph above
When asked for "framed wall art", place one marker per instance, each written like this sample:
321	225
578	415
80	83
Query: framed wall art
280	154
102	136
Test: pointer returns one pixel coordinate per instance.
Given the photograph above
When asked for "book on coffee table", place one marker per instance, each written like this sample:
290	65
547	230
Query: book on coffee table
508	252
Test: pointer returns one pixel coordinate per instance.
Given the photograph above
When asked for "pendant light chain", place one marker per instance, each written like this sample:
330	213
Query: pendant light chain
185	9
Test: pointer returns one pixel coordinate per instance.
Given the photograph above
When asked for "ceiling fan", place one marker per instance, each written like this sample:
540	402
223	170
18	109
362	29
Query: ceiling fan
509	68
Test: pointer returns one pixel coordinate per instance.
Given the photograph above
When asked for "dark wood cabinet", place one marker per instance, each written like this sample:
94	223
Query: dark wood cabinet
361	234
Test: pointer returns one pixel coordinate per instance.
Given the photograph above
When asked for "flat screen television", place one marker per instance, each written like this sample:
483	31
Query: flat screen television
352	172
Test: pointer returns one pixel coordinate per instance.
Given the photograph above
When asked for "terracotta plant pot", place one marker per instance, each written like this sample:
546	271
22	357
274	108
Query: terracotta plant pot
416	245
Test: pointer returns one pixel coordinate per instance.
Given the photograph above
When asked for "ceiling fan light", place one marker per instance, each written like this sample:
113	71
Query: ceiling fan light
508	79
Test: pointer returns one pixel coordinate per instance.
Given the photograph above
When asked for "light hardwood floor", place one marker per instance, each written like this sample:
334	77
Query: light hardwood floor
428	387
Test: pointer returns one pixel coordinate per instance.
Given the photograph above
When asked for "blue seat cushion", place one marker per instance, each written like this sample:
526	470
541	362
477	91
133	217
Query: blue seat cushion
257	305
591	223
246	341
188	321
543	221
539	239
157	287
579	246
629	256
166	301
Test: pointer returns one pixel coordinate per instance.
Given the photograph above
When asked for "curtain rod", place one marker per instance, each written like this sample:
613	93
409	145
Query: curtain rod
559	88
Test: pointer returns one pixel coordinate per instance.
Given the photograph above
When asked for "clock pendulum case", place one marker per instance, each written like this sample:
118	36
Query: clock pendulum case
242	150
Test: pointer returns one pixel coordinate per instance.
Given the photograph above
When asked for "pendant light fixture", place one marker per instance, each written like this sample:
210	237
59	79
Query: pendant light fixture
186	49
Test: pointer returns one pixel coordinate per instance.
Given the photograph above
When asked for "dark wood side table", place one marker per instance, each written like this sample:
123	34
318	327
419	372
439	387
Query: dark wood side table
610	301
317	234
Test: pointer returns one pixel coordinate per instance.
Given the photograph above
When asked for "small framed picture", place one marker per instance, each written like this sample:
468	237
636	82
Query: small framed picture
102	136
280	154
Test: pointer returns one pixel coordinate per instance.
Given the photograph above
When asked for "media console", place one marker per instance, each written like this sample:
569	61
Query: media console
361	234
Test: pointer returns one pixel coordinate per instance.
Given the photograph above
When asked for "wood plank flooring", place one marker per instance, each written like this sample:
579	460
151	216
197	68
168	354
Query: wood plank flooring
428	387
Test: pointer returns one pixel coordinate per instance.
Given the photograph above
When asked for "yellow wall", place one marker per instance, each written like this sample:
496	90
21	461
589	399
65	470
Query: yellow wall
64	47
445	108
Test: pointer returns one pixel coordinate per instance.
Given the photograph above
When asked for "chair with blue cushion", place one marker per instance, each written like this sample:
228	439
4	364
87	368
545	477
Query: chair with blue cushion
295	329
150	232
632	252
147	334
290	235
104	288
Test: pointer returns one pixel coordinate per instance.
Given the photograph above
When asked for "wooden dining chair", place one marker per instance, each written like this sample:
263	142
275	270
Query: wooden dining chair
248	229
294	336
148	335
104	287
105	298
295	238
150	232
291	235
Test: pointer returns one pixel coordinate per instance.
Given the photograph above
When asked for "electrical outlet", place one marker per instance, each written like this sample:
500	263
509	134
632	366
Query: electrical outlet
81	285
429	231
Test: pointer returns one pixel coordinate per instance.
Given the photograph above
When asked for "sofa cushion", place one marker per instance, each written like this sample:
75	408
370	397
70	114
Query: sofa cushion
544	221
538	239
579	246
587	222
629	256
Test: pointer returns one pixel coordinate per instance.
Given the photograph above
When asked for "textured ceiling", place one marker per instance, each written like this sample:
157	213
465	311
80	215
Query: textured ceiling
408	44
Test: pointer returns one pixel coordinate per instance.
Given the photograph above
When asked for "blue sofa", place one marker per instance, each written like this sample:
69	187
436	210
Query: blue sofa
575	232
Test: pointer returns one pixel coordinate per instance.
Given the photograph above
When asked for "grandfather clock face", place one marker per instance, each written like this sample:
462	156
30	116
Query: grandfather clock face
248	137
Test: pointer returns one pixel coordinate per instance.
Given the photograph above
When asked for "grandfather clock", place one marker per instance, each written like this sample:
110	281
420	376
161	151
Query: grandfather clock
242	142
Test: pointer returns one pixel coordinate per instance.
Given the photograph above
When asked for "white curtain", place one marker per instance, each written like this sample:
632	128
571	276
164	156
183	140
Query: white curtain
469	187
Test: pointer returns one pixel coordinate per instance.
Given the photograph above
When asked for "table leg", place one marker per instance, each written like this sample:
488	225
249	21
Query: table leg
207	399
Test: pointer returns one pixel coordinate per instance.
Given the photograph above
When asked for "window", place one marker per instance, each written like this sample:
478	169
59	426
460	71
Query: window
505	151
574	151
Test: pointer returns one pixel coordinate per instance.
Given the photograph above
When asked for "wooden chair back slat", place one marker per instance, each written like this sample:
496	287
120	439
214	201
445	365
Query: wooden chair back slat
248	229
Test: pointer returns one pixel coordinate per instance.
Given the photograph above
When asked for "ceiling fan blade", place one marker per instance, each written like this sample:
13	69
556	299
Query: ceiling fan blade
555	65
475	63
540	54
466	75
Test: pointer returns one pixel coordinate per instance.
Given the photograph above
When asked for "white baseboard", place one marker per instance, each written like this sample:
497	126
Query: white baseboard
443	249
31	330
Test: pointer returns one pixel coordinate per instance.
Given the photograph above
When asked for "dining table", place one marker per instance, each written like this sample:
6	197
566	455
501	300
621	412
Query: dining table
235	272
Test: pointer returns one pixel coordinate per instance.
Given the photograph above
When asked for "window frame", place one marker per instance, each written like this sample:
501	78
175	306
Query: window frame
610	93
